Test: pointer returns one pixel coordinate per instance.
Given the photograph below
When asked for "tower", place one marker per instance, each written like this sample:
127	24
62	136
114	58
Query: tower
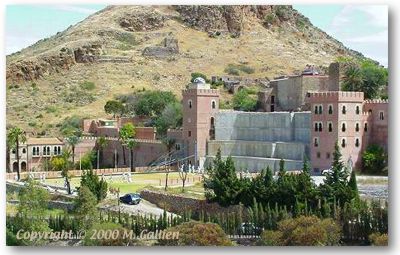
200	104
336	116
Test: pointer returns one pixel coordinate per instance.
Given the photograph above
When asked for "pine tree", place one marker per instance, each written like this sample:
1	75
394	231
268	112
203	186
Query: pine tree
353	185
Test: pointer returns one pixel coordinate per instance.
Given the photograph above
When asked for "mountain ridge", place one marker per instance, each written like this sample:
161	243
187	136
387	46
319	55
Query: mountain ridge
131	48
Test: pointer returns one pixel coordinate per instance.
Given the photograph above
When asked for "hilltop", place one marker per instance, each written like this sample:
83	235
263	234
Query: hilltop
123	49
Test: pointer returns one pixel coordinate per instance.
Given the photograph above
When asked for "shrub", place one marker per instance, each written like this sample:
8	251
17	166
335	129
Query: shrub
243	101
88	85
374	159
194	233
378	239
232	70
304	231
196	75
96	185
269	19
51	109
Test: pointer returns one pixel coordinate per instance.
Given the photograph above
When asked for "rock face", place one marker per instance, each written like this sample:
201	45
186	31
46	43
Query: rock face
143	21
212	17
32	69
169	47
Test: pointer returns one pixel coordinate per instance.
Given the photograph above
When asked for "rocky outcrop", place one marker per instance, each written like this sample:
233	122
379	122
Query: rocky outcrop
41	66
142	21
168	47
213	17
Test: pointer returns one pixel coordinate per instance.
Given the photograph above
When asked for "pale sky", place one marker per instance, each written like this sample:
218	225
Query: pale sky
360	27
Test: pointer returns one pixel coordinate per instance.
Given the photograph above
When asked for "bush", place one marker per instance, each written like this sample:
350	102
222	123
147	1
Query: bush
232	70
196	75
303	231
152	103
88	85
71	124
85	208
374	159
96	185
269	19
244	102
194	233
378	239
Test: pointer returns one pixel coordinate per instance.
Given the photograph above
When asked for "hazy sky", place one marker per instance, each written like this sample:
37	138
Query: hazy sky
360	27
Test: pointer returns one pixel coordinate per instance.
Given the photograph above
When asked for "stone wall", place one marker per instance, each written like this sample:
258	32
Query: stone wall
178	204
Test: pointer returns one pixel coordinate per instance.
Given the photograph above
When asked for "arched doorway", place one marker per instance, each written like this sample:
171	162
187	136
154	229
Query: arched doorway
23	166
15	167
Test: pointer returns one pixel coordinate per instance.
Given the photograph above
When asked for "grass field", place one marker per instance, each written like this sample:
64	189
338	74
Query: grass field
139	181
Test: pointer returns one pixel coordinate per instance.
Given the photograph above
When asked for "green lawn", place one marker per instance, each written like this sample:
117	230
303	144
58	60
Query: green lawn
139	181
11	209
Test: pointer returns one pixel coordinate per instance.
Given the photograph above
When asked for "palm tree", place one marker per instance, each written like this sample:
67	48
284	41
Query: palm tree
169	143
131	144
15	137
101	144
72	141
126	133
352	80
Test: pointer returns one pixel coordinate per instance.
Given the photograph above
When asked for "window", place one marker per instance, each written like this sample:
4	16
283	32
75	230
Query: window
213	105
316	109
316	126
330	126
330	109
59	150
13	151
55	150
343	127
24	150
343	143
357	109
318	154
357	127
272	99
357	142
189	133
177	146
316	141
328	155
190	103
320	109
212	122
365	127
344	109
320	127
381	116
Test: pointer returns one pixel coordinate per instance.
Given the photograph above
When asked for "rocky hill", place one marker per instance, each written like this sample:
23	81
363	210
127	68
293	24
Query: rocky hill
121	49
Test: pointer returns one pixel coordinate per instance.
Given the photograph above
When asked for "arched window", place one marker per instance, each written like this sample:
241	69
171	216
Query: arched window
344	109
318	154
212	121
330	128
24	150
320	109
330	109
357	127
59	150
316	109
34	151
316	142
320	127
190	103
316	127
357	142
365	127
213	104
343	142
13	151
381	116
357	109
55	150
343	127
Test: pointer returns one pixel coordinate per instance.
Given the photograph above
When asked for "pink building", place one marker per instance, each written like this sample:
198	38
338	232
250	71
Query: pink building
200	104
344	117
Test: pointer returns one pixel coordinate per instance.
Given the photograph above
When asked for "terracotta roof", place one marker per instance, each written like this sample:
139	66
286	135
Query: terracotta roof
44	141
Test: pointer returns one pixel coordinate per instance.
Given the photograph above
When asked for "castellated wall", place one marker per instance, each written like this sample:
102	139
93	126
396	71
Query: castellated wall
257	140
